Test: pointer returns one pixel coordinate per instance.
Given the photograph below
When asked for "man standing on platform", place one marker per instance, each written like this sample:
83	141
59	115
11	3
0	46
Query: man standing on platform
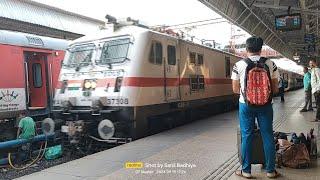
315	85
307	90
281	89
256	80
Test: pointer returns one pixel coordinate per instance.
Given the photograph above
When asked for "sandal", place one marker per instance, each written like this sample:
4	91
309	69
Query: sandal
240	173
273	175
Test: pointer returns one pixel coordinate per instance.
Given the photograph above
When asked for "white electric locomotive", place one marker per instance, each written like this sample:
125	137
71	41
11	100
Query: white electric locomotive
130	81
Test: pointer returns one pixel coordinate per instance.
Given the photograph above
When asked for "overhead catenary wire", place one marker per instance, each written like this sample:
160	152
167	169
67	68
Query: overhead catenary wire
187	23
193	24
197	25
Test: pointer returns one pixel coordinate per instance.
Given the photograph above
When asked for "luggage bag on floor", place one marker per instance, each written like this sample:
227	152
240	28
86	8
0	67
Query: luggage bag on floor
293	156
257	156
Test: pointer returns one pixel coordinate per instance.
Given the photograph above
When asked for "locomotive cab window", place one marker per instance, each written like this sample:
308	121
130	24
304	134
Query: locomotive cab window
227	67
114	51
192	58
155	55
80	55
171	55
37	75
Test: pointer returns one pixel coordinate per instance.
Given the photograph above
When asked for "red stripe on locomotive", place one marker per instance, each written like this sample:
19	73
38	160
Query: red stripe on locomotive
149	82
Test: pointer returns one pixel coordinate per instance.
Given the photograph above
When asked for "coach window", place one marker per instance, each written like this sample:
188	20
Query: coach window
227	66
285	76
171	55
37	75
200	82
155	56
200	59
193	83
192	58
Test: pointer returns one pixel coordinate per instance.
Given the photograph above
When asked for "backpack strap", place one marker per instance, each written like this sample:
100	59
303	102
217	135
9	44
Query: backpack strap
250	64
263	60
247	61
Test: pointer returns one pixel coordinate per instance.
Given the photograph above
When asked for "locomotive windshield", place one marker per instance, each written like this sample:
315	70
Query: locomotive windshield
114	51
80	55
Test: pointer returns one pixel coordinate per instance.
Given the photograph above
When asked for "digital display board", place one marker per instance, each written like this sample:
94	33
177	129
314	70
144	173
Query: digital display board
288	22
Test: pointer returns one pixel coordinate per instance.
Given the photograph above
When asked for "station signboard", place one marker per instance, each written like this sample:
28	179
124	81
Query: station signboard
288	22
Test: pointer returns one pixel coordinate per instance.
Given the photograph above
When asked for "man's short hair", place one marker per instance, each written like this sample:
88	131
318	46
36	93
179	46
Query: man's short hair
254	44
24	113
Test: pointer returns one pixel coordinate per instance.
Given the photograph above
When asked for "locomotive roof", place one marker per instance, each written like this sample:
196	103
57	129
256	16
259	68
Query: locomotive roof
131	30
30	40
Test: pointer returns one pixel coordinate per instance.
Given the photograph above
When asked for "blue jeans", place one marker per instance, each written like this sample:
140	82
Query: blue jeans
264	116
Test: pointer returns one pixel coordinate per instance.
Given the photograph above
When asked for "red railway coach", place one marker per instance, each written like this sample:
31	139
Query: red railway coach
29	67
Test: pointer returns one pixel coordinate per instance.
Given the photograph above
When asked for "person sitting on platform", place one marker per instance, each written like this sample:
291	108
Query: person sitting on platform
26	127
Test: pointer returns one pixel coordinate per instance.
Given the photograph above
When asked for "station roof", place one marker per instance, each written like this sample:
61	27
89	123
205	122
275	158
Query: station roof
257	17
36	18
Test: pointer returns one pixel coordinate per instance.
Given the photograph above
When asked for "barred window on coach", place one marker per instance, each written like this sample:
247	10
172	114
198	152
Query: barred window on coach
171	55
155	55
193	80
200	59
200	82
196	83
192	58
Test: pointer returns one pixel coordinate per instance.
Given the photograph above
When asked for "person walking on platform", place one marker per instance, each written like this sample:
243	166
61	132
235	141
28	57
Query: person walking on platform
315	85
307	90
281	89
256	80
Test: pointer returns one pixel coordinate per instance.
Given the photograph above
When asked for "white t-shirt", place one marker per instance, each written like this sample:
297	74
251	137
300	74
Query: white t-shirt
315	79
239	72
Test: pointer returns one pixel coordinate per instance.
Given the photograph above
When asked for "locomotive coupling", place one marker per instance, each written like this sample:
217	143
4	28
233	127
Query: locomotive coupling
75	130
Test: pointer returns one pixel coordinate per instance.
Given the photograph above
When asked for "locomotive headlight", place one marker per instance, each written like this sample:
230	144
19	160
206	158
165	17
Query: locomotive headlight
93	84
87	85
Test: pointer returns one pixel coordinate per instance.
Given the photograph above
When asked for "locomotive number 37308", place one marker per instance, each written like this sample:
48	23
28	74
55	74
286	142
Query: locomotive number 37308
117	101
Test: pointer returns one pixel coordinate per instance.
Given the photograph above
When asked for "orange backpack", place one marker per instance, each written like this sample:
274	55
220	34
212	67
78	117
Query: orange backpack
257	90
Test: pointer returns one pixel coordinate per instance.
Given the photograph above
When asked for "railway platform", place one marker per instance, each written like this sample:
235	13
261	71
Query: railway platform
204	149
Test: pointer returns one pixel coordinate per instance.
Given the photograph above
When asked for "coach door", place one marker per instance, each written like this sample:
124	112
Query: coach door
171	71
36	80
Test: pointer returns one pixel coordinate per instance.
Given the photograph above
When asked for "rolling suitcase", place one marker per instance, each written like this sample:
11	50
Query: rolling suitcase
257	156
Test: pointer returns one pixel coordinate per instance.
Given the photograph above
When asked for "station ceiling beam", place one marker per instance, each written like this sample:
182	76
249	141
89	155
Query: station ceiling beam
245	15
257	17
